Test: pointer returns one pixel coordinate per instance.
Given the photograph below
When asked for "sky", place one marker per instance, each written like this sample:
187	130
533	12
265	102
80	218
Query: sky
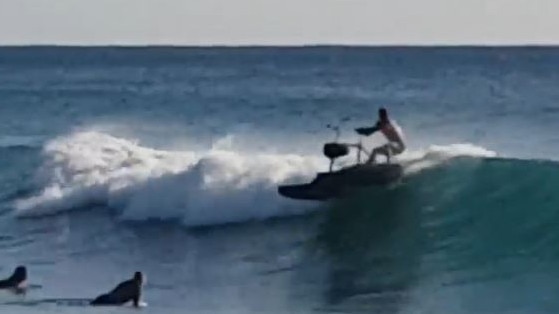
279	22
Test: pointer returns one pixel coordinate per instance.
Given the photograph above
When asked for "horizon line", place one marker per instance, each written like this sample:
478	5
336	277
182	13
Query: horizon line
288	46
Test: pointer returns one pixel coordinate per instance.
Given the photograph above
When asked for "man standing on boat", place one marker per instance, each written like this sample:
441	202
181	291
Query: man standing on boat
391	131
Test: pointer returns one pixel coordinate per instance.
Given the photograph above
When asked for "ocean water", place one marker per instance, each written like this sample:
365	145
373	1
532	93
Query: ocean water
167	160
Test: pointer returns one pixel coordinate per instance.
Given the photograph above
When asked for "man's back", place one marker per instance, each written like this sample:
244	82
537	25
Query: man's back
127	290
392	131
124	292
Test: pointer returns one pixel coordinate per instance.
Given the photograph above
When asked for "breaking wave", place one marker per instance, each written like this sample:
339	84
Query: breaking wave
216	186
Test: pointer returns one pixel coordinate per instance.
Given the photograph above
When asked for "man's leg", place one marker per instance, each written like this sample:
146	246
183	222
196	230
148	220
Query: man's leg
372	157
104	299
396	149
382	150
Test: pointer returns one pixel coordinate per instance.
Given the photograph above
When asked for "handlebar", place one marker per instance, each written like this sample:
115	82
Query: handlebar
358	146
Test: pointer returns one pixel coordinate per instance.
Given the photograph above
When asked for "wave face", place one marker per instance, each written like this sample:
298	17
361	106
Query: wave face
467	231
488	209
487	212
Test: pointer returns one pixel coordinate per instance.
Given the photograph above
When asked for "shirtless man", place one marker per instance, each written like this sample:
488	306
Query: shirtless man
391	131
16	280
130	290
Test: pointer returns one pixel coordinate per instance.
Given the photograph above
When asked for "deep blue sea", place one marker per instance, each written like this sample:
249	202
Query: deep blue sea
167	160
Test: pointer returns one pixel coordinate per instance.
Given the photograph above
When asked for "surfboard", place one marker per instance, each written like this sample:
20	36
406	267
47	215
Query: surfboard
79	302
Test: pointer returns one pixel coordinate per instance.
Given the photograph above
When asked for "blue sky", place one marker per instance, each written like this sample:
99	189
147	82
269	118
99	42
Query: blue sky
278	22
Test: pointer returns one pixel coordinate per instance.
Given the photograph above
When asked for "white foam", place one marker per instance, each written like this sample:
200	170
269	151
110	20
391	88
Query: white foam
199	188
419	160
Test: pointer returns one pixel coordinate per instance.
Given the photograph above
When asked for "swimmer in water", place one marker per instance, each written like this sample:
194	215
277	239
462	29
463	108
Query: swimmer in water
130	290
16	281
391	131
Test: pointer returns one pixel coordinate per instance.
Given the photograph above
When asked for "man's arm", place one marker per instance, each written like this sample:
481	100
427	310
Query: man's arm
4	284
137	297
368	131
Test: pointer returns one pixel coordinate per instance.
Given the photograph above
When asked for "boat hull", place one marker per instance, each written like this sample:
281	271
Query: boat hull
336	184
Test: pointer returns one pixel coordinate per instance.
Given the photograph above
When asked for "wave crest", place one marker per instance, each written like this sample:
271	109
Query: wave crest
216	186
198	188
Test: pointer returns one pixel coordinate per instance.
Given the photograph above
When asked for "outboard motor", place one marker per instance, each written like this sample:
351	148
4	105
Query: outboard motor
333	151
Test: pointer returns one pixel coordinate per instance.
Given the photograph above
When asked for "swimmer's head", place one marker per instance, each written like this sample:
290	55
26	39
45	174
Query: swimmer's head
20	274
140	278
383	114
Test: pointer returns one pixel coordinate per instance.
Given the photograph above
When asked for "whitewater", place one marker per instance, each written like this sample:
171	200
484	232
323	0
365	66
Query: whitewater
205	188
167	161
